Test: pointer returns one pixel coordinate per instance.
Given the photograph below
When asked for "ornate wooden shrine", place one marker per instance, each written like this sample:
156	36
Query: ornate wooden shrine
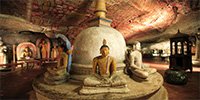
180	47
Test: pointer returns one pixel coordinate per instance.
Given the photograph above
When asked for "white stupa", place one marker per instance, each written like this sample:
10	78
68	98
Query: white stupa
88	42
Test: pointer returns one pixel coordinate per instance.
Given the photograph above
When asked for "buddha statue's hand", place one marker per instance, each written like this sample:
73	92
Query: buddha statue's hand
97	76
135	67
69	52
110	80
113	75
106	80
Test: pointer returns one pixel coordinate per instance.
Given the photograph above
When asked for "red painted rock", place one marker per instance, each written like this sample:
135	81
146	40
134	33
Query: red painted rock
60	11
64	6
65	9
70	8
59	2
60	15
59	7
35	6
55	10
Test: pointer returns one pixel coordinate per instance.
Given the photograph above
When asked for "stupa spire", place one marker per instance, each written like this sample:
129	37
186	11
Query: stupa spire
100	10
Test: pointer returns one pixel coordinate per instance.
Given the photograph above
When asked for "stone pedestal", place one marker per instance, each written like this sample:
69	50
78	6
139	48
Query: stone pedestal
100	90
150	89
58	78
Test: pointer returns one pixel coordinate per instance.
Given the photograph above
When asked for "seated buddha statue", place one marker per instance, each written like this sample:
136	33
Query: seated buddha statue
104	74
3	56
58	74
136	66
27	53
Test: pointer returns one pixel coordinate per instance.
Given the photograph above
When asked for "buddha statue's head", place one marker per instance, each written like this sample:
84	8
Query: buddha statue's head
136	45
60	49
104	50
43	41
27	49
27	53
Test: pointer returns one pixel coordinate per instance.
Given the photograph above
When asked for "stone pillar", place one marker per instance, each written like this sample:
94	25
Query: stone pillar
197	54
29	10
14	53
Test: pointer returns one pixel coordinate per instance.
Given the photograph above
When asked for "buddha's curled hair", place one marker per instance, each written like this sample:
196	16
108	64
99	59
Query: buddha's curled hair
104	44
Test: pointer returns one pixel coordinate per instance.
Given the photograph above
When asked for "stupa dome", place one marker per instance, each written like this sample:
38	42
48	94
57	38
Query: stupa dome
88	42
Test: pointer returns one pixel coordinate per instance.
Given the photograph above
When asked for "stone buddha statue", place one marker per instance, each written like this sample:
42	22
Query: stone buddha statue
104	75
136	66
58	74
3	50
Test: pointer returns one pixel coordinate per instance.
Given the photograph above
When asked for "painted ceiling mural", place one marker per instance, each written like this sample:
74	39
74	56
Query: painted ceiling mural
135	19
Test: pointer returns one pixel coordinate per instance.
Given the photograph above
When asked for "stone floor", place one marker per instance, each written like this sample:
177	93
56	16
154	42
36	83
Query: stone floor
18	85
190	91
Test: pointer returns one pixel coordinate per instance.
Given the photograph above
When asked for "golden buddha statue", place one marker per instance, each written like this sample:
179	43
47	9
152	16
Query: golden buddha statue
58	74
27	53
104	73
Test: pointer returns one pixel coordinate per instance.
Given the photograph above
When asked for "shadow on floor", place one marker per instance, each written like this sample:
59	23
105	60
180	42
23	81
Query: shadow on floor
17	84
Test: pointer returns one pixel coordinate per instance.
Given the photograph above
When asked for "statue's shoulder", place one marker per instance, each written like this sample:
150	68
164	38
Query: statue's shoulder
96	58
64	54
132	52
111	58
135	52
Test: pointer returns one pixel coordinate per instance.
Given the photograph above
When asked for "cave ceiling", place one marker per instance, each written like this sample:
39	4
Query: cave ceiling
142	20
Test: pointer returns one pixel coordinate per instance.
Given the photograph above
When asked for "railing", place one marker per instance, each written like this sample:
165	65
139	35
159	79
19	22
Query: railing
11	66
24	64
